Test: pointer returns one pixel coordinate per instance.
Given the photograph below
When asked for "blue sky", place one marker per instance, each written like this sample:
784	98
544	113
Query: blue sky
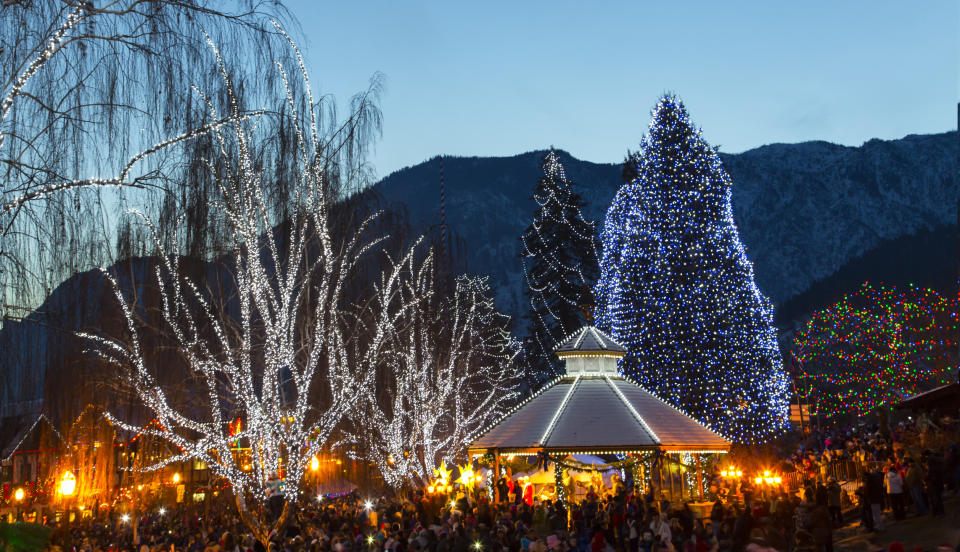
500	78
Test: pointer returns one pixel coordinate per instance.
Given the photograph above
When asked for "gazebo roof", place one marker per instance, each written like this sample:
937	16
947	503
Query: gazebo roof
594	414
589	339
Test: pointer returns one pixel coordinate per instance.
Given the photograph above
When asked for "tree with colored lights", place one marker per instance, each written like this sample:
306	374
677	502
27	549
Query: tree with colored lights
876	346
676	287
559	262
289	347
448	375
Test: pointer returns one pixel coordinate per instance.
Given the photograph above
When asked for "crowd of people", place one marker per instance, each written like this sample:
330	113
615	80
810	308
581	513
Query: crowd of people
882	476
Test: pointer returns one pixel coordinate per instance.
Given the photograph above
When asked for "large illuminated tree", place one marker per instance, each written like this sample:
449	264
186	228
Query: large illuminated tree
448	374
676	287
559	262
289	349
875	346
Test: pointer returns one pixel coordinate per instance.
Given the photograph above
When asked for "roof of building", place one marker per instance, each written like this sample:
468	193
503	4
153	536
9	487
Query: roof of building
598	414
589	339
22	432
945	395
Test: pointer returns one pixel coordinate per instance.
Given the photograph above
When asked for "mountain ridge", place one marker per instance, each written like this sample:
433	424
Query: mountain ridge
803	210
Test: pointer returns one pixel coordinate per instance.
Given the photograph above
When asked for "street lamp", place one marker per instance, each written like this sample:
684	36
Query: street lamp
314	464
68	483
176	478
18	494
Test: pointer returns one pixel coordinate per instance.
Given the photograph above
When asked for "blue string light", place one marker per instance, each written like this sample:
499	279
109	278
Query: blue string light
676	287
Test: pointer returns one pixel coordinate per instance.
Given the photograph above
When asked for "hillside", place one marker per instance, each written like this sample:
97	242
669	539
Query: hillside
804	210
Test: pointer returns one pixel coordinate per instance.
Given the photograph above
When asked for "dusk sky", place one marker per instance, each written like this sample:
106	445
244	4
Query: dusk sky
501	78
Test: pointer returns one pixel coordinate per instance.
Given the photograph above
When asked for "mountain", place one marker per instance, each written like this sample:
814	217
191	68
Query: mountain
804	211
817	220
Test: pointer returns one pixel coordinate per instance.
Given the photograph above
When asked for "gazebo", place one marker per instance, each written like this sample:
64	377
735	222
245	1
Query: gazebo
592	409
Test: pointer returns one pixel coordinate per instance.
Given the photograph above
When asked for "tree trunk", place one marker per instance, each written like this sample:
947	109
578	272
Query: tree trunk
257	524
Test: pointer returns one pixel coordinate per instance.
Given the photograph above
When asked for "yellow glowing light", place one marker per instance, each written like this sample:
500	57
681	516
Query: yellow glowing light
466	476
125	518
477	545
370	539
18	494
442	473
777	480
162	510
368	505
139	487
766	473
176	478
758	480
68	483
723	473
81	507
314	464
430	489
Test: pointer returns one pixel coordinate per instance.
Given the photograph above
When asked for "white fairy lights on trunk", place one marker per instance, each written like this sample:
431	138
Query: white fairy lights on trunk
450	373
282	352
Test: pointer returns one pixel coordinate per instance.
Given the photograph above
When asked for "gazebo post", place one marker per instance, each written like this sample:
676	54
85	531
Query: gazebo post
496	476
699	477
670	475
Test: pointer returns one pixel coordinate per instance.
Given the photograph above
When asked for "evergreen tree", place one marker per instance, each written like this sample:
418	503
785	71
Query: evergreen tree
559	262
676	287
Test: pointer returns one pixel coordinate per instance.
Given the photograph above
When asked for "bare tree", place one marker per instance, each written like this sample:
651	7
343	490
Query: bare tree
98	111
290	352
449	373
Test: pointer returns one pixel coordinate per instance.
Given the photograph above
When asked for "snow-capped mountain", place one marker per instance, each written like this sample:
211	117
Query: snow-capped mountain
804	210
807	213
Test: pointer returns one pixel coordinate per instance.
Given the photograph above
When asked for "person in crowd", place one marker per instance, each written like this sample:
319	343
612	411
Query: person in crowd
894	487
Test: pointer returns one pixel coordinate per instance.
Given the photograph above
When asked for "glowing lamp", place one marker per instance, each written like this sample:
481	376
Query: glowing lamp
758	480
723	474
162	510
18	494
370	539
368	505
68	483
314	464
430	489
739	473
125	518
176	478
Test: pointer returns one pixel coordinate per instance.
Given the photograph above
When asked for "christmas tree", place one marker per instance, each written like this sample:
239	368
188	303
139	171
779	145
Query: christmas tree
676	287
560	264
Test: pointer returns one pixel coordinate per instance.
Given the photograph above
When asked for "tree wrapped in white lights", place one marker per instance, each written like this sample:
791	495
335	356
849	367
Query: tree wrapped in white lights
559	262
449	374
288	350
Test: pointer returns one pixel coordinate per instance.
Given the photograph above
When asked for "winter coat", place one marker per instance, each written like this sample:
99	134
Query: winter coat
894	483
834	494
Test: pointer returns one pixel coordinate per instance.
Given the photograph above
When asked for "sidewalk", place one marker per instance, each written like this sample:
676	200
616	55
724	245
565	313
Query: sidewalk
926	532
